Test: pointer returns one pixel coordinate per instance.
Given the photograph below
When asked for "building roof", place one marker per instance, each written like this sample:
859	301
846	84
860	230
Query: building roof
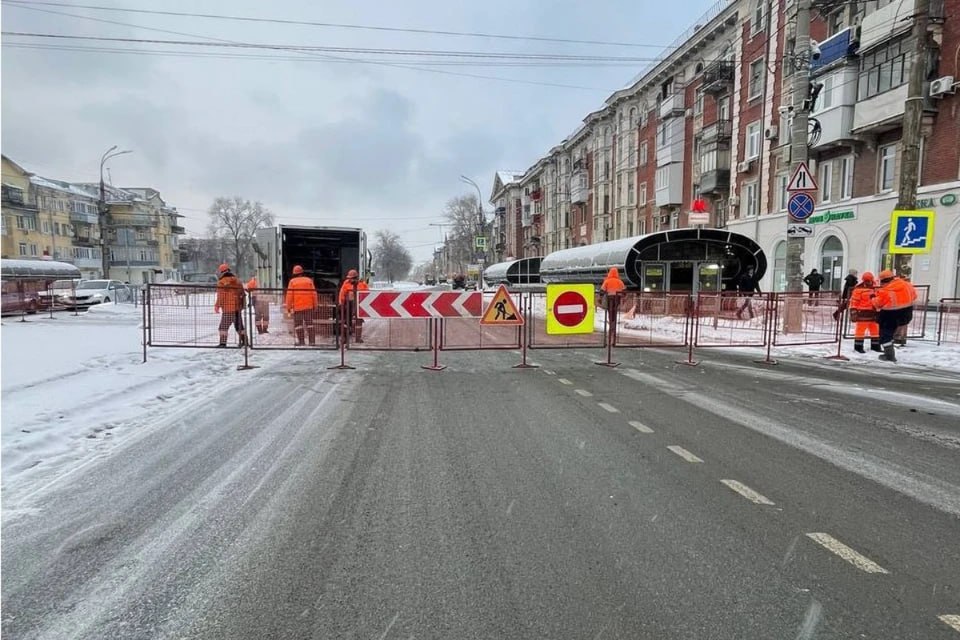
60	185
508	177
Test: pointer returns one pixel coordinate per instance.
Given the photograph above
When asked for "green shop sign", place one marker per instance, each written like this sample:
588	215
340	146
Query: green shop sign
946	200
832	216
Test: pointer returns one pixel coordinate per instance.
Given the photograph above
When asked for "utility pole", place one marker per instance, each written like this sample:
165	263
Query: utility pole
102	210
912	124
799	132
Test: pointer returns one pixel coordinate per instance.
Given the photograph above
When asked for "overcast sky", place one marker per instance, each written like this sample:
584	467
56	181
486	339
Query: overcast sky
317	141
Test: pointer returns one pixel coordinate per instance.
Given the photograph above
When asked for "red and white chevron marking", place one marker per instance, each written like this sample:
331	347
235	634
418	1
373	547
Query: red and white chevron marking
419	304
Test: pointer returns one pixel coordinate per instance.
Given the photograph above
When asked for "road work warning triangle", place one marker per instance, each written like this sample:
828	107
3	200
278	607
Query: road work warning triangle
501	310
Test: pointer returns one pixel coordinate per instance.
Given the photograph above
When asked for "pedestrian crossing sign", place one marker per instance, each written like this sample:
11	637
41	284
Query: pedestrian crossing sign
911	231
502	311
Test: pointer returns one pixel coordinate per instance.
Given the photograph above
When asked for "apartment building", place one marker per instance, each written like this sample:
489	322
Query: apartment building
44	218
712	121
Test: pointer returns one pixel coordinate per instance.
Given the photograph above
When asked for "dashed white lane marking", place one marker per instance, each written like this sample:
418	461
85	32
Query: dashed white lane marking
683	453
952	621
583	392
833	545
550	373
564	381
639	426
747	492
608	407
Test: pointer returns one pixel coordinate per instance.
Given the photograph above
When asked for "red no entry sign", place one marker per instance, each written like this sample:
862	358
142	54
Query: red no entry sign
570	308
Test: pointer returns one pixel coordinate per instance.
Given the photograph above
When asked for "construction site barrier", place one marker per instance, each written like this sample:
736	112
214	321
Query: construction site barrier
653	320
535	306
948	321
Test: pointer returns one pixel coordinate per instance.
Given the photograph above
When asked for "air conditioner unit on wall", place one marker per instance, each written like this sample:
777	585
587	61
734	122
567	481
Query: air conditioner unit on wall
771	132
942	86
734	201
743	167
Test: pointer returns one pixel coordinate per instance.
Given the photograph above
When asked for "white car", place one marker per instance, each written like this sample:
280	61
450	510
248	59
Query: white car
91	292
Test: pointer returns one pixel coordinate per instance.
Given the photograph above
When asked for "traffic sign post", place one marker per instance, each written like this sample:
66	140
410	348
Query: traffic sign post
502	311
799	230
570	309
911	232
802	179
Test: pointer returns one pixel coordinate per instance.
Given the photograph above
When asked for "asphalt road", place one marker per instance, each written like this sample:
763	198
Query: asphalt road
655	500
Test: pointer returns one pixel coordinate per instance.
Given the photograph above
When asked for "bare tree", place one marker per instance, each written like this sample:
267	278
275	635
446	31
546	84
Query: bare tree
461	214
236	220
390	257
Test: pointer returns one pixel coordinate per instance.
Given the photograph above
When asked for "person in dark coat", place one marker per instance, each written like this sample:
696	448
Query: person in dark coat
848	284
814	281
747	285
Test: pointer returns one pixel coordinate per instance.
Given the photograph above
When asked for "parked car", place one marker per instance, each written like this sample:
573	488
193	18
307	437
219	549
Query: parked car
54	294
91	292
191	281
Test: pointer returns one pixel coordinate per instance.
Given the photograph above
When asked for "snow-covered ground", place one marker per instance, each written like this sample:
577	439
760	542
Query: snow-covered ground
74	387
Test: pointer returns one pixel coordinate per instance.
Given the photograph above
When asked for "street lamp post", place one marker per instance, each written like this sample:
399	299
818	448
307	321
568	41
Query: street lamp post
102	210
481	223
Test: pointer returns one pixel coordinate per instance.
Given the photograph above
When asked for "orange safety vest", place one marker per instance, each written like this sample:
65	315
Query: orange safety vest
346	290
229	294
896	294
301	294
862	297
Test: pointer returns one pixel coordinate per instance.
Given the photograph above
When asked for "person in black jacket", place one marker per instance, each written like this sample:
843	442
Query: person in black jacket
814	281
848	284
747	285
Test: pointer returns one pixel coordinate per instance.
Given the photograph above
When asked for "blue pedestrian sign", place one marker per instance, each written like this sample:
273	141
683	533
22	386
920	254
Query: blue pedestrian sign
800	206
911	231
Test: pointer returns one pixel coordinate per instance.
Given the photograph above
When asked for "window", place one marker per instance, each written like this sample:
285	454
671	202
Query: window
620	122
662	178
888	163
698	103
751	199
826	181
753	140
643	152
663	134
757	67
33	249
883	68
21	224
23	248
837	22
631	153
643	193
56	228
758	15
780	266
46	226
723	108
846	178
786	129
633	118
782	195
620	189
826	98
630	189
642	226
674	220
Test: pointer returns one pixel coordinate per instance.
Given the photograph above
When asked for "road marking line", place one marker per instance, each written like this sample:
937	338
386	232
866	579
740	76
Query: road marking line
550	373
583	392
747	492
564	381
608	407
639	426
952	621
683	453
833	545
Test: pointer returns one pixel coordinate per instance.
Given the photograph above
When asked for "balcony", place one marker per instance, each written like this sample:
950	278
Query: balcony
719	130
578	188
881	112
85	241
669	185
718	77
87	263
135	220
83	218
715	182
835	107
177	229
672	106
671	141
840	46
135	263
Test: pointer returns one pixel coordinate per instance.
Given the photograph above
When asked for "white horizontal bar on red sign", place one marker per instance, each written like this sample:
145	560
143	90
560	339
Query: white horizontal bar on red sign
419	304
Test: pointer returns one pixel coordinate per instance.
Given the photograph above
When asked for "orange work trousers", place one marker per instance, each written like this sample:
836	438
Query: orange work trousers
863	329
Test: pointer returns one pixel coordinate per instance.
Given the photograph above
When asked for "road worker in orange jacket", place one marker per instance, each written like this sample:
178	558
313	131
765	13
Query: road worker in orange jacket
348	303
864	315
612	288
894	302
900	336
261	307
303	302
229	302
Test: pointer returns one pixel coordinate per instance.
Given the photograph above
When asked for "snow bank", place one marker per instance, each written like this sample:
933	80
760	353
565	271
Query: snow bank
75	386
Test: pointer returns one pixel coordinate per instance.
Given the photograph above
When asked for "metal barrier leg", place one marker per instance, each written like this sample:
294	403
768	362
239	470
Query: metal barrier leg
770	320
246	366
839	355
523	352
435	334
343	344
144	325
613	307
689	332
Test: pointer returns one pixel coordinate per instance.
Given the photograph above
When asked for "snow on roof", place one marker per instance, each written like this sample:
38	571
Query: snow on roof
508	177
59	185
38	269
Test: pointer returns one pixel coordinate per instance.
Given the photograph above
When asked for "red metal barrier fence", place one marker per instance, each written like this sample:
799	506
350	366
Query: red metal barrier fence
948	321
178	316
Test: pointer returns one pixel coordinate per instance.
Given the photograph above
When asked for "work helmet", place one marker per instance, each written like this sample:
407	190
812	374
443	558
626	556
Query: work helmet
867	276
352	274
886	274
223	268
297	270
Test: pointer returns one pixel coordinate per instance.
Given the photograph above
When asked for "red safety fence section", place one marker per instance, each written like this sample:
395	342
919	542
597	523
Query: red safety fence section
272	327
535	315
731	320
179	316
389	334
653	320
799	319
948	321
